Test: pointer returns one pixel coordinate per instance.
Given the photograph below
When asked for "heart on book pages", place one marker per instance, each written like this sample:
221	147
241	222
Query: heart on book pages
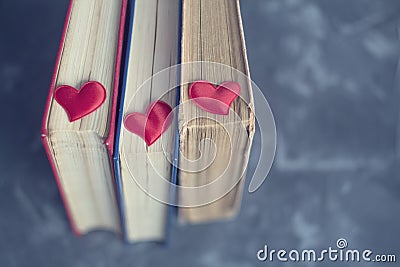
151	125
213	99
79	103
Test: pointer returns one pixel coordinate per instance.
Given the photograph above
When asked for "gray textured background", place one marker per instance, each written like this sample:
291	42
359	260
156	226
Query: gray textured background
330	71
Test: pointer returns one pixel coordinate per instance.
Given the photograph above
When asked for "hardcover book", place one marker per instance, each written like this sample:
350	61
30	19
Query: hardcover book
141	163
216	118
79	119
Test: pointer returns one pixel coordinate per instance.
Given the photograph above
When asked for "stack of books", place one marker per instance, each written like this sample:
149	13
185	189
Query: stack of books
150	107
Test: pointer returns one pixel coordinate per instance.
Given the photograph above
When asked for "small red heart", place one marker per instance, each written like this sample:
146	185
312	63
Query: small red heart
151	125
213	99
79	103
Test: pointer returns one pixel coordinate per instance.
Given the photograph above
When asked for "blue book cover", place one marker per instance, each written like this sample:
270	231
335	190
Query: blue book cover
116	159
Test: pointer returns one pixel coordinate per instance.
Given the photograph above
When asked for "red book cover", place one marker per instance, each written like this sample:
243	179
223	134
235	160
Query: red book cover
109	140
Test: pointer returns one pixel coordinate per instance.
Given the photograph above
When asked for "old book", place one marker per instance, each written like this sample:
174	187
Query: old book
140	160
215	141
78	124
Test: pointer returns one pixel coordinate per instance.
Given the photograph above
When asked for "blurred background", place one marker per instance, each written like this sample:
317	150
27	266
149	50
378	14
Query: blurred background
330	70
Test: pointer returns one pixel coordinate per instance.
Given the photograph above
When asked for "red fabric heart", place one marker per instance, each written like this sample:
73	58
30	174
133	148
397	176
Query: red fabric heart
79	103
151	125
213	99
